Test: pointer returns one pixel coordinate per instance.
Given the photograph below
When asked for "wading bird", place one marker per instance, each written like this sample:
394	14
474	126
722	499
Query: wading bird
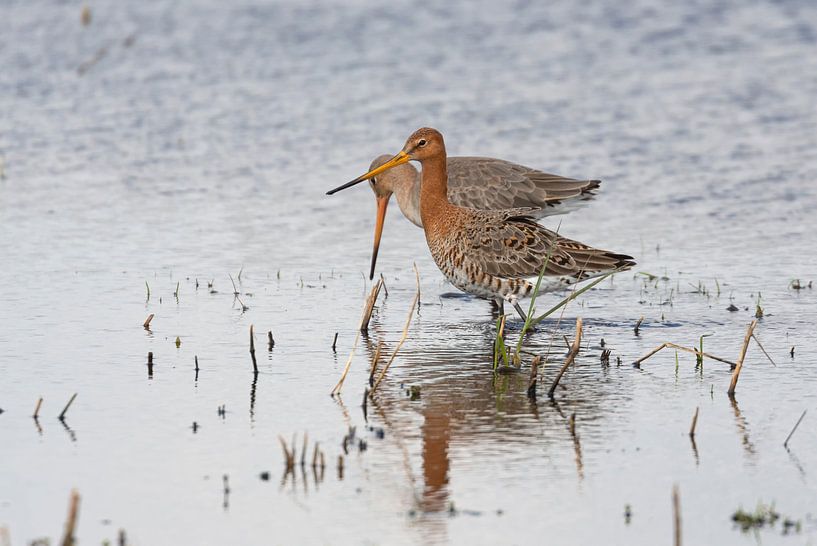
493	254
482	183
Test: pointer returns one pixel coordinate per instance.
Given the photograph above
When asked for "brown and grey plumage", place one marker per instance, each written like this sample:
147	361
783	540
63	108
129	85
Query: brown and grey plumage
486	183
481	183
492	254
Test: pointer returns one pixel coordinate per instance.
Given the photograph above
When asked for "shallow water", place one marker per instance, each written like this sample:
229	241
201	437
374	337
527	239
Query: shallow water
171	144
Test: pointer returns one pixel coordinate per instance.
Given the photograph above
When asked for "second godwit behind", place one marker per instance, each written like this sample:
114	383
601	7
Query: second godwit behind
496	255
482	183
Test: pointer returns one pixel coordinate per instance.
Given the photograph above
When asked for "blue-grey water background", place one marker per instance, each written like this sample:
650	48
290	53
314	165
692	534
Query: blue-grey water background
176	142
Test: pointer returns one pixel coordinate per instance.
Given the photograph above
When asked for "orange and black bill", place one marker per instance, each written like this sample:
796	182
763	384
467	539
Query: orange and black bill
382	203
399	159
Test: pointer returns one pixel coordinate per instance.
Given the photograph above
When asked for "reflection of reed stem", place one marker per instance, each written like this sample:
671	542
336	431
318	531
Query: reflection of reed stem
676	515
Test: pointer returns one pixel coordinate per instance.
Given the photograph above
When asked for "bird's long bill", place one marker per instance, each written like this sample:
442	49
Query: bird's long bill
399	159
382	203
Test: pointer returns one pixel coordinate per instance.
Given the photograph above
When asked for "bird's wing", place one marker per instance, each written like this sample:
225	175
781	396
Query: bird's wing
493	184
508	245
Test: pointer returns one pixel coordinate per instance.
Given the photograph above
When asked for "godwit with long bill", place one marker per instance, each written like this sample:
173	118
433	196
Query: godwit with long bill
482	183
493	254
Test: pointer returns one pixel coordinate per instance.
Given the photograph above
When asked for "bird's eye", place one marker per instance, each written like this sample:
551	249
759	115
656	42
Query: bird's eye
422	142
374	180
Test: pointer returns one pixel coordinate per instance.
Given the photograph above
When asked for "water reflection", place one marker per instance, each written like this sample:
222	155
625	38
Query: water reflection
462	402
743	428
253	386
69	430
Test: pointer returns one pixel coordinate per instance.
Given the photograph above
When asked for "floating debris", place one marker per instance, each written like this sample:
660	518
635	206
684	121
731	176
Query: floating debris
413	392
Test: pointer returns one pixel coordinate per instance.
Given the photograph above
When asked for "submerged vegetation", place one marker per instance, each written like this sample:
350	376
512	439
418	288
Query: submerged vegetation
765	515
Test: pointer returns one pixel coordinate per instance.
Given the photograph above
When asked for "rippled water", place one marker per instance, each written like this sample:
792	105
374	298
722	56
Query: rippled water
171	143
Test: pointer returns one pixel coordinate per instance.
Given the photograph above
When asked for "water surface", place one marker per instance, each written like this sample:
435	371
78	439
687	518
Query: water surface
176	144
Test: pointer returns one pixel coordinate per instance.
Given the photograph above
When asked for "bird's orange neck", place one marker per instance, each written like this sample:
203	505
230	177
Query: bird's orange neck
434	190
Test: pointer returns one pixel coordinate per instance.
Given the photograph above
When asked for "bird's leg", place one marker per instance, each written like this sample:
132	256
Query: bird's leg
519	310
498	306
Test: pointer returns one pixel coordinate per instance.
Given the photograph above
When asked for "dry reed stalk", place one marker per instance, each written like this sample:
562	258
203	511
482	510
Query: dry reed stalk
315	456
694	423
367	313
71	522
146	324
739	367
638	324
375	360
290	457
696	352
414	303
270	341
68	405
385	289
340	467
303	451
534	369
676	515
335	342
370	301
37	408
252	350
577	445
764	350
574	350
797	424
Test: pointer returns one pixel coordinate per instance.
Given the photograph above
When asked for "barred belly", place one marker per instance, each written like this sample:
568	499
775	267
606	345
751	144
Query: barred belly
470	278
